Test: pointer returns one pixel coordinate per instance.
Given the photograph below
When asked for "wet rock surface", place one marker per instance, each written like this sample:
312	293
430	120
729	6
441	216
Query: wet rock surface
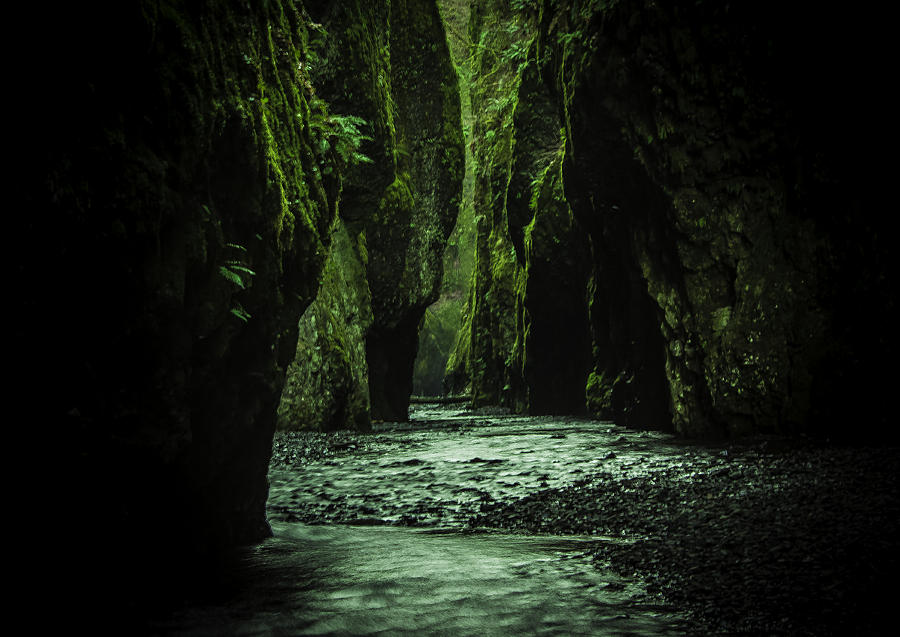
766	536
445	467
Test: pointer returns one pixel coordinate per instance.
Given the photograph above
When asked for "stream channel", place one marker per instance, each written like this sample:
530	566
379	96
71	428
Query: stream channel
376	538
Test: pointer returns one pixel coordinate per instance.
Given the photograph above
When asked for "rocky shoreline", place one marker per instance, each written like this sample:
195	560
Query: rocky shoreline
799	543
768	536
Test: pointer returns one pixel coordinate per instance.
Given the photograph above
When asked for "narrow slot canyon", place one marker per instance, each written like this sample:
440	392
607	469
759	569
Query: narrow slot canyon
467	317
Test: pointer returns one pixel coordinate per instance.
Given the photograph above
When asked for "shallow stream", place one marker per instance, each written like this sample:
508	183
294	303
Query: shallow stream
375	540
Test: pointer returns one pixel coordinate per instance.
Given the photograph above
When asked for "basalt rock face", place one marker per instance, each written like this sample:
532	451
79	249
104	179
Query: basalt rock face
418	210
178	205
327	385
551	246
725	200
698	146
388	63
525	342
440	327
486	360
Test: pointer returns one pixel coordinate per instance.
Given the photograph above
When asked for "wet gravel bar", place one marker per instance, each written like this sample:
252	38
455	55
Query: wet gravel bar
762	536
800	542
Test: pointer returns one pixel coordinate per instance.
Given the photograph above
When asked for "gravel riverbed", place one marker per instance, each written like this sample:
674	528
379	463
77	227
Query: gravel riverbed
764	536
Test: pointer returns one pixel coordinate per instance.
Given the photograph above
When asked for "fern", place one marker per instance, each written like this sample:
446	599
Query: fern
234	277
235	270
341	133
237	266
240	312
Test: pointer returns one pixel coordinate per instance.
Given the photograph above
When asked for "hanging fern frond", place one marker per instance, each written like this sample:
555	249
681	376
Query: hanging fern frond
234	277
240	312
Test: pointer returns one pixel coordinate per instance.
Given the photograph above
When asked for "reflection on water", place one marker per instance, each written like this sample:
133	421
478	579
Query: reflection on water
345	580
322	574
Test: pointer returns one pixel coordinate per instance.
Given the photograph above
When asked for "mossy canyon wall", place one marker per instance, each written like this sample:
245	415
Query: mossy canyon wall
196	178
388	62
679	216
677	206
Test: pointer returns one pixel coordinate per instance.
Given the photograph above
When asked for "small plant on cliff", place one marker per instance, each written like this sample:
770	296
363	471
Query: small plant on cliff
339	133
240	312
237	272
349	138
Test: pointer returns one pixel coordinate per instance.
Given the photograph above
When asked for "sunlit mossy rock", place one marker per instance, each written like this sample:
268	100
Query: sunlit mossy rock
180	198
441	324
389	63
525	343
436	338
484	359
327	383
537	331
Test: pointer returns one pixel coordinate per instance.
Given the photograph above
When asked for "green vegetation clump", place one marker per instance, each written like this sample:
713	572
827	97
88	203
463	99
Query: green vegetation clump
599	395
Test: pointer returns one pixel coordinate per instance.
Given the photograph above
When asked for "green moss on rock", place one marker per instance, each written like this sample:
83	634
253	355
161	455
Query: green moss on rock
720	251
181	205
390	64
327	384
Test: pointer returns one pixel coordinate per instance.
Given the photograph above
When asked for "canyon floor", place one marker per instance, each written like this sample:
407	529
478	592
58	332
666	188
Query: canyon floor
479	522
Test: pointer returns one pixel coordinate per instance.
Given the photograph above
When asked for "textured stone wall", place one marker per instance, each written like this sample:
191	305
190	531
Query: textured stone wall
525	342
704	140
327	383
485	360
725	233
177	201
388	62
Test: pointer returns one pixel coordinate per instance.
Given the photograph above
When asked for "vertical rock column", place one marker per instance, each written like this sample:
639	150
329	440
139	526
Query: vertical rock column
419	209
390	65
525	342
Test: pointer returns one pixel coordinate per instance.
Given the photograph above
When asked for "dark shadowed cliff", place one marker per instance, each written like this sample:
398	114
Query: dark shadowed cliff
681	216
